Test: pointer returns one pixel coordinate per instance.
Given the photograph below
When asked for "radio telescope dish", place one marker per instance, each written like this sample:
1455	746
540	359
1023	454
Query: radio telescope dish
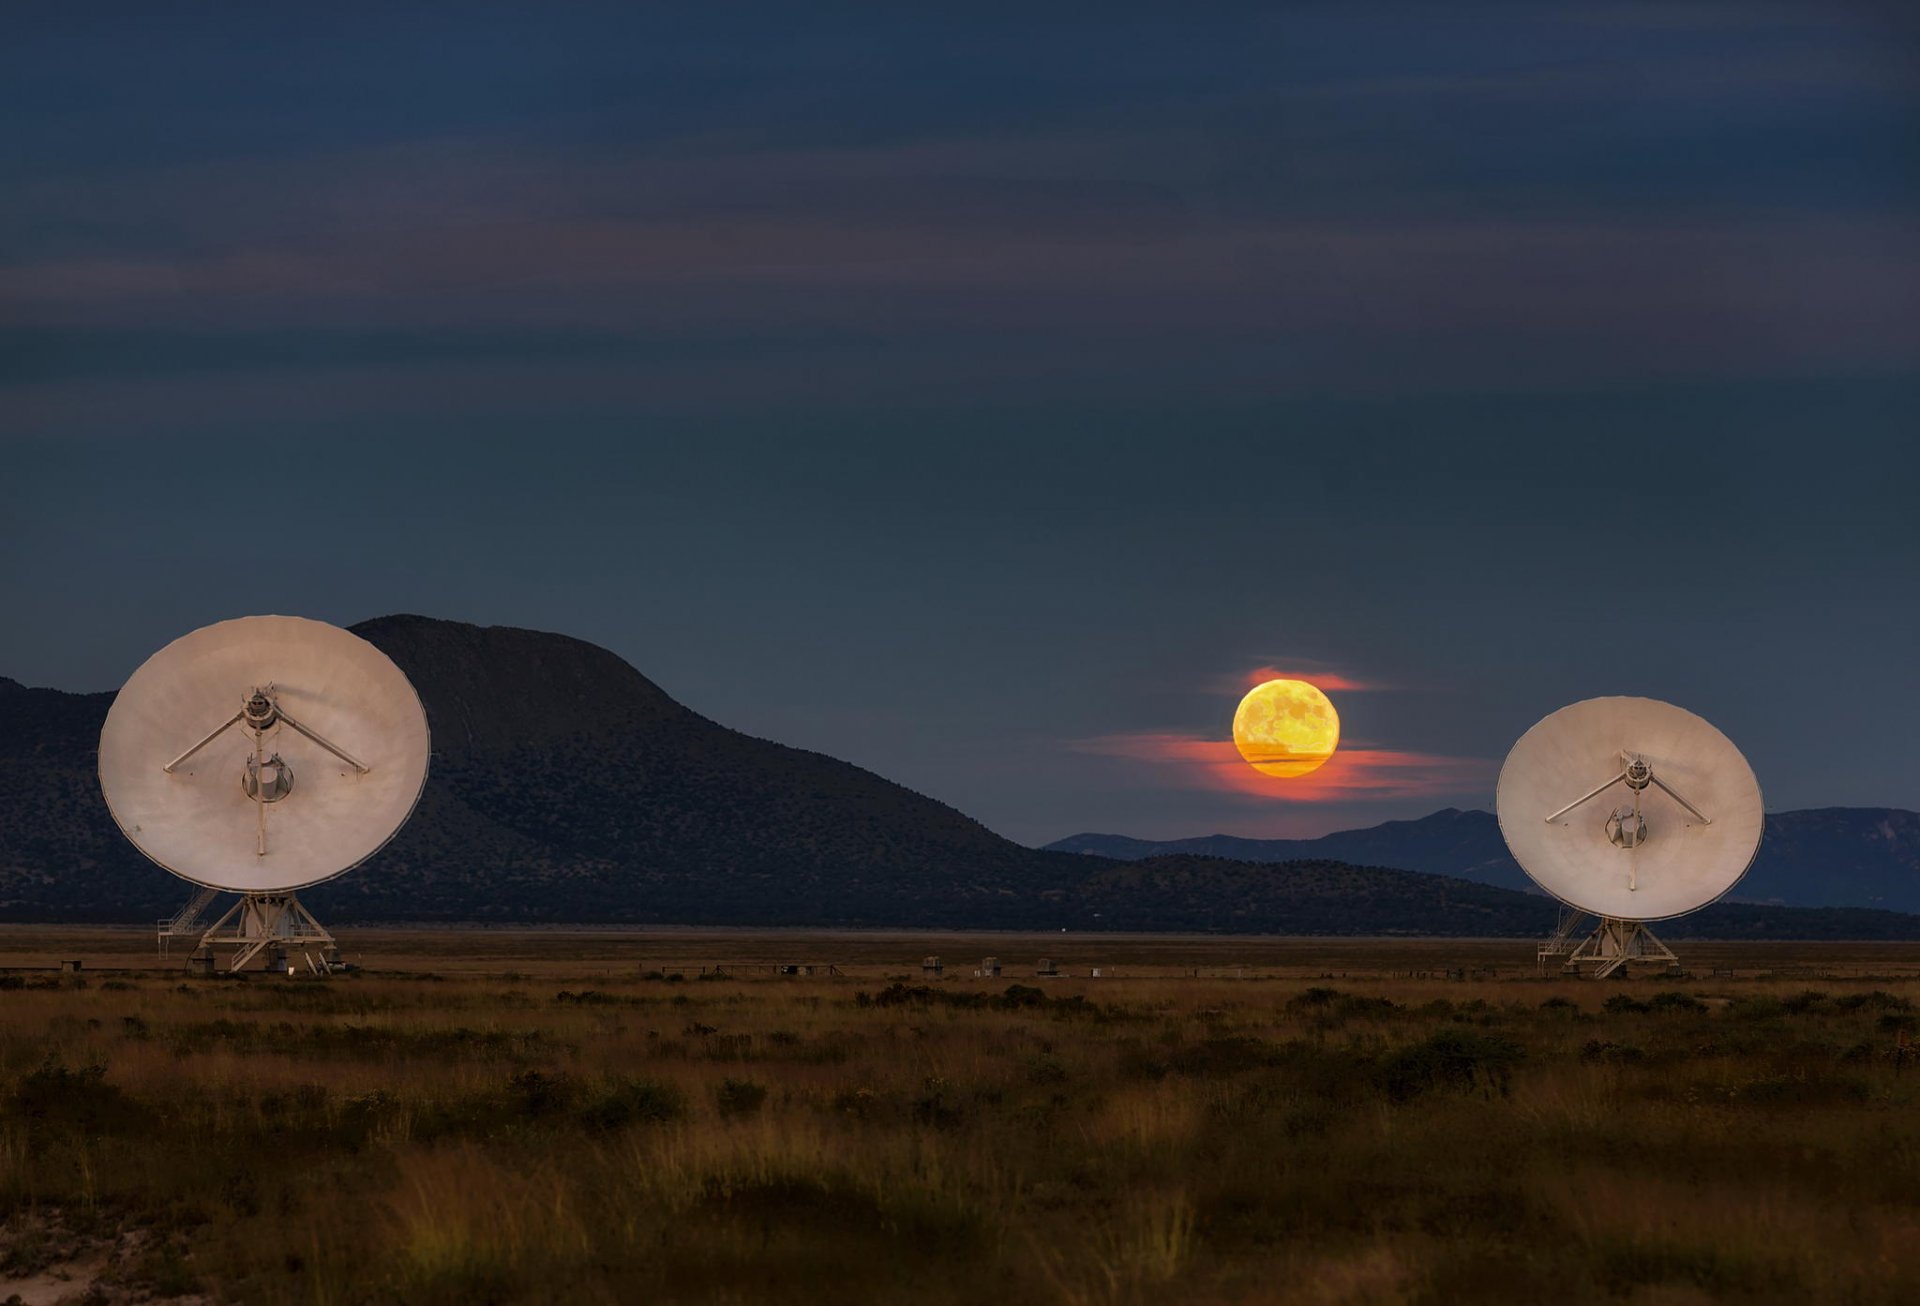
261	756
1631	810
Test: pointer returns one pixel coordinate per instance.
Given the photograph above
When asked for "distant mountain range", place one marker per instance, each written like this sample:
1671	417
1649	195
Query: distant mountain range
1818	857
566	787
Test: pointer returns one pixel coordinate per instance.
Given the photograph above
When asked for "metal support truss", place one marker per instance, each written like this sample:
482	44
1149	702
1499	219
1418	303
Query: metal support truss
271	923
1614	942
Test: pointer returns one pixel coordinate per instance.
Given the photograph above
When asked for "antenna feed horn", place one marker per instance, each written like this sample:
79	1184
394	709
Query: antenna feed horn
259	710
1637	771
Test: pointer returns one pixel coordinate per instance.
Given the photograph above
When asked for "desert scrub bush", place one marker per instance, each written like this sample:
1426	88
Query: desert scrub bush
359	1041
1333	1006
163	1271
1044	1068
1671	1001
1626	1266
863	1218
1608	1053
937	1104
1877	1000
919	995
861	1104
1806	1002
1224	1056
54	1097
1797	1091
1456	1060
1017	997
531	1103
622	1102
738	1097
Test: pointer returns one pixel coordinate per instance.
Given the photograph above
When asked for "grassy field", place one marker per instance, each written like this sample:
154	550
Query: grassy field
537	1116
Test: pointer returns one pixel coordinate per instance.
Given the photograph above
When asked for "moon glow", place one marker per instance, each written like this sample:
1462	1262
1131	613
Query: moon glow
1286	728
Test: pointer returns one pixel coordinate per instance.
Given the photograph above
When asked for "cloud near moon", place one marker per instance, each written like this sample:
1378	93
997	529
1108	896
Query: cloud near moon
1358	772
1332	682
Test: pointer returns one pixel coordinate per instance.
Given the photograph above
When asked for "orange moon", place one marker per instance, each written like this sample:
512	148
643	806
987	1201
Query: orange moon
1286	728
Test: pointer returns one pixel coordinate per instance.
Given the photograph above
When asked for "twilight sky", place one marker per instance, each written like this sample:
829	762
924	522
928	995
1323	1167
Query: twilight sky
986	397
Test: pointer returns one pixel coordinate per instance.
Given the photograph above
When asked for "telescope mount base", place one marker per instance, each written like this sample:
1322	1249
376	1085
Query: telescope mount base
1614	943
275	925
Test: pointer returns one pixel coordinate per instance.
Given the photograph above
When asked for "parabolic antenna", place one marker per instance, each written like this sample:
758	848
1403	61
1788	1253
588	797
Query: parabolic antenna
1629	809
264	755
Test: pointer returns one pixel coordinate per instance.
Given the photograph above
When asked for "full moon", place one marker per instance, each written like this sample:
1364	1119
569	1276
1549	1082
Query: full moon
1286	728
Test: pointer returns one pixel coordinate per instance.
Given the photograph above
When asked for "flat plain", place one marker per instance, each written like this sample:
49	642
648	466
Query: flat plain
611	1116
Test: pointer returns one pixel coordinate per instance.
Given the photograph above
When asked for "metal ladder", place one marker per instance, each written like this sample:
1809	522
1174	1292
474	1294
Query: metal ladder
1564	939
186	920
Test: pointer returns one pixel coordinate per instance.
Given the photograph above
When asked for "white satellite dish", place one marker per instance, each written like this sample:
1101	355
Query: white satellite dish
1632	810
261	756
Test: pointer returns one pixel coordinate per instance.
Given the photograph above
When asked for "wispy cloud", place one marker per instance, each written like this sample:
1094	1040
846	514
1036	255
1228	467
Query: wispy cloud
1358	772
1314	673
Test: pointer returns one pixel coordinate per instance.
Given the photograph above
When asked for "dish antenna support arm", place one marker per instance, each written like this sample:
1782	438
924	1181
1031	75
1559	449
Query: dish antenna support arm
338	751
1636	774
221	729
1592	793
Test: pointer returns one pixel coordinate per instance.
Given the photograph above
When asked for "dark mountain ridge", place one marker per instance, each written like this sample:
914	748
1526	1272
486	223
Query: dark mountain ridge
567	787
1865	857
1466	844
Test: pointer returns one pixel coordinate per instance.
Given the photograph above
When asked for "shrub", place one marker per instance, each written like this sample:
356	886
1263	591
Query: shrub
1675	1002
55	1096
1335	1005
1803	1091
1621	1004
739	1097
631	1102
1352	1004
919	995
1044	1069
859	1103
1877	1000
1453	1059
1611	1053
932	1106
1224	1056
537	1096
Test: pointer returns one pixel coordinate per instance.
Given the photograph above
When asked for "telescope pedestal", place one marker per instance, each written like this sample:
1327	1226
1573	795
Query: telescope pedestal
275	924
1616	942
